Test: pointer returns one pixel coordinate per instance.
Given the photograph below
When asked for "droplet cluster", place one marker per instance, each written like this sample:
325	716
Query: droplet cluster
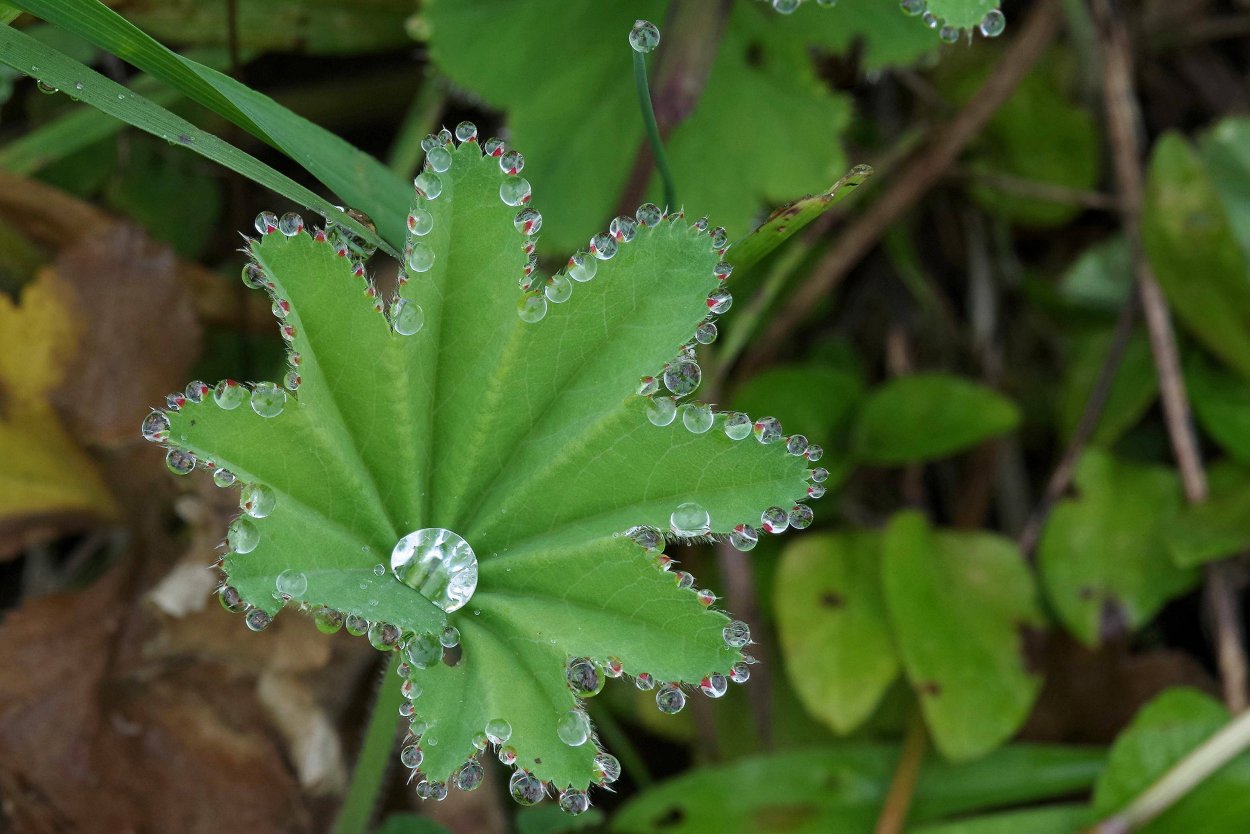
993	24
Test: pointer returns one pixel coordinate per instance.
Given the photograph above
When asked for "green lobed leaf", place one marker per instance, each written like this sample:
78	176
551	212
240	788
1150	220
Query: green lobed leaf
526	437
927	416
1221	401
22	52
578	117
1162	733
1103	556
1195	253
963	14
1051	819
961	604
1219	527
833	626
842	789
359	179
883	36
1225	151
1101	278
409	824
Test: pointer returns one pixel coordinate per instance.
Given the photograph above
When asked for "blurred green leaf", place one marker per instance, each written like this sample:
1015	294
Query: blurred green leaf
1135	388
961	604
359	179
1222	402
1103	557
765	128
833	626
884	36
409	824
819	399
547	818
841	789
927	416
1052	819
1195	253
170	194
1226	151
1101	278
1218	527
1162	733
1039	135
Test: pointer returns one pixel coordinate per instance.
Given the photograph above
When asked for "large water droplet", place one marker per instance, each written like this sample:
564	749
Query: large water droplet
558	289
384	636
582	267
257	620
574	802
428	184
291	583
993	24
705	334
257	500
532	307
796	445
603	246
512	162
690	519
739	673
498	731
814	453
573	728
528	221
290	224
585	677
420	222
229	394
439	159
266	222
424	651
466	132
268	400
774	520
155	427
697	417
744	538
525	788
800	517
410	757
949	34
470	775
514	191
407	317
785	6
912	7
737	425
682	377
714	686
608	768
649	214
661	410
644	681
357	626
223	478
231	600
644	37
623	228
421	257
242	535
737	634
327	620
669	699
767	430
438	564
719	301
449	638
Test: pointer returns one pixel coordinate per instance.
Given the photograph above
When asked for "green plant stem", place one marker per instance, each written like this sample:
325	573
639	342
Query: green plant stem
906	774
375	755
1184	776
653	131
618	742
421	118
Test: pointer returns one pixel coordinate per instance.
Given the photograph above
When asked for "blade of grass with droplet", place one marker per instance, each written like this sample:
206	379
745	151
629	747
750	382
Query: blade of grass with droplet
28	55
786	221
359	179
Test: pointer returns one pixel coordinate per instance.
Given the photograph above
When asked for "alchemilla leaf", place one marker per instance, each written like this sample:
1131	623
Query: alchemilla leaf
482	469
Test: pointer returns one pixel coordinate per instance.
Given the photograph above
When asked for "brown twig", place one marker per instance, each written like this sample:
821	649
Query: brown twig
906	774
691	37
1123	123
1047	192
913	181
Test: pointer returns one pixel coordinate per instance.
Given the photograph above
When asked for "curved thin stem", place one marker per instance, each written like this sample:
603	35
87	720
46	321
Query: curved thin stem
653	131
375	755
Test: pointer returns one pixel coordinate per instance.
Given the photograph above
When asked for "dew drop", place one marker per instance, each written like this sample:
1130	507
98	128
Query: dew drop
512	162
685	581
266	222
644	681
242	535
420	222
993	24
608	768
584	677
737	634
46	88
424	651
432	790
649	214
690	519
647	386
714	686
438	564
705	597
254	276
737	425
470	775
705	334
613	667
384	636
528	221
774	520
223	478
722	271
719	301
410	757
290	224
819	475
697	417
624	229
179	462
646	537
949	34
449	638
420	257
930	20
785	6
796	445
558	289
739	673
231	600
573	728
574	802
268	399
257	620
582	267
814	453
466	132
720	238
196	391
800	517
507	755
526	788
439	159
257	500
407	317
327	620
661	410
155	427
603	246
644	37
498	731
514	191
428	185
532	307
669	699
494	147
767	430
815	491
229	394
379	570
912	7
682	377
744	538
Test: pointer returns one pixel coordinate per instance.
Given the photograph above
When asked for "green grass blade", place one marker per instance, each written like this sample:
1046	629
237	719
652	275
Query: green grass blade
359	179
31	57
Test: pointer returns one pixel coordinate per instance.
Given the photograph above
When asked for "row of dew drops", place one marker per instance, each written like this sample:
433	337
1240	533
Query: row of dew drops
586	677
992	24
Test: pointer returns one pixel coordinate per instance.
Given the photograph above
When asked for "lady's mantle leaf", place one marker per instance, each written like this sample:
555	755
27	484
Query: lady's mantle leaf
521	413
